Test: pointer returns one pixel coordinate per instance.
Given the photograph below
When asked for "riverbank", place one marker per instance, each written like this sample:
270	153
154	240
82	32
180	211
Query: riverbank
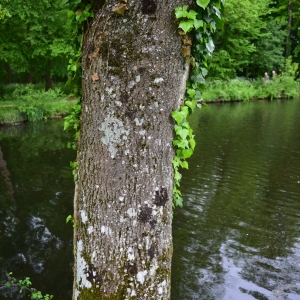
26	103
283	87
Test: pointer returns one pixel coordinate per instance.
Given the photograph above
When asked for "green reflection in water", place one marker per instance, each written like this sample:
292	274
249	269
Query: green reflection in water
36	195
237	236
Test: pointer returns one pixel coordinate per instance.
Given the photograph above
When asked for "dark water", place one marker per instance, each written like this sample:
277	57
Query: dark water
36	196
238	235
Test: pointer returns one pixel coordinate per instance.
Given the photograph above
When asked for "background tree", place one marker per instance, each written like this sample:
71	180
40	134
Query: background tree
256	38
34	40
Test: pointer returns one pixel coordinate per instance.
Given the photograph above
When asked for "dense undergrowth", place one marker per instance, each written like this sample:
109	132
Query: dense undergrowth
283	86
28	102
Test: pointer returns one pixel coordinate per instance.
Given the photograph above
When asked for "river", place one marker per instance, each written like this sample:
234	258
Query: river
237	236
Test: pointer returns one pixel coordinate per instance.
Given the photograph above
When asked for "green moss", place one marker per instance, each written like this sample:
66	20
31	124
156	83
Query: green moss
96	294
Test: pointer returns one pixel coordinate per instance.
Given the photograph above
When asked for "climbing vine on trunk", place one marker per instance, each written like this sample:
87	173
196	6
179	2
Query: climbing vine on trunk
199	23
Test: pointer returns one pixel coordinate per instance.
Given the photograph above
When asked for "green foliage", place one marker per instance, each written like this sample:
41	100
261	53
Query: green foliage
72	220
35	39
4	13
283	86
201	22
26	103
24	286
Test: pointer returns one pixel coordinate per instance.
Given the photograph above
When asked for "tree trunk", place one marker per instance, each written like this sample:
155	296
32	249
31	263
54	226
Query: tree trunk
288	36
48	84
29	77
9	73
134	76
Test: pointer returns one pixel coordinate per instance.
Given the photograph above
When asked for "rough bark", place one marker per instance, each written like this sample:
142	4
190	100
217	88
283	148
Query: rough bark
133	78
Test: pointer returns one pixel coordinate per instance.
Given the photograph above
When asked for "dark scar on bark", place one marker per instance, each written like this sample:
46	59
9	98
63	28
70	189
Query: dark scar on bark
131	268
161	197
145	214
130	114
152	250
124	98
141	70
149	7
153	223
93	275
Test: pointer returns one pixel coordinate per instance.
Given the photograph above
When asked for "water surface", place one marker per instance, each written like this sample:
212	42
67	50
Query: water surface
36	192
238	235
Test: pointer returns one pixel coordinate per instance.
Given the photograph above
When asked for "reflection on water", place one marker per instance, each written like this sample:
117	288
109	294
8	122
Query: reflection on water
238	235
36	193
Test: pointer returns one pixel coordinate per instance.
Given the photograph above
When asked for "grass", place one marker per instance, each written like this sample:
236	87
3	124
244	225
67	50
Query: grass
28	103
243	90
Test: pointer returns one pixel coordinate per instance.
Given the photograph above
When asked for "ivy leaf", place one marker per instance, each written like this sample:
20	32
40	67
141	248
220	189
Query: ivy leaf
191	92
203	3
186	26
186	153
184	164
176	161
179	116
204	71
7	284
177	176
192	15
210	46
217	12
192	143
190	104
178	201
180	11
198	23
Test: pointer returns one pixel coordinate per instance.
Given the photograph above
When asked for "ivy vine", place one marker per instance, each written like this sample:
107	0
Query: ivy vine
77	14
200	22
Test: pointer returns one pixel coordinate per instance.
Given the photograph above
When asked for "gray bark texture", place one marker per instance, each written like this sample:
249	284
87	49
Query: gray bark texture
134	76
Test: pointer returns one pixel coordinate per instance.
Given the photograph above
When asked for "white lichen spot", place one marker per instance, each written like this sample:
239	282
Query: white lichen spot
118	103
97	186
84	217
126	152
130	254
131	84
161	287
114	134
142	132
158	80
156	104
108	90
137	78
131	212
140	277
86	109
90	229
133	293
121	198
106	230
81	275
138	122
